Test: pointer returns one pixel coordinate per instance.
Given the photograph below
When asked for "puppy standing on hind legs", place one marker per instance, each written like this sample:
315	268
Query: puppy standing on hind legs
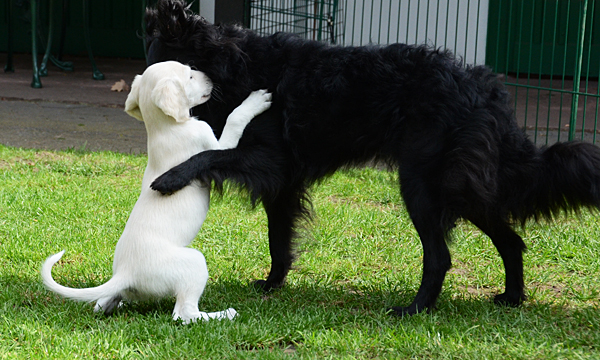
151	257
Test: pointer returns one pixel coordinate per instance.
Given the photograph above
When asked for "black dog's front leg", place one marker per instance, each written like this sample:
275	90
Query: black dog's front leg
177	177
426	212
253	168
436	262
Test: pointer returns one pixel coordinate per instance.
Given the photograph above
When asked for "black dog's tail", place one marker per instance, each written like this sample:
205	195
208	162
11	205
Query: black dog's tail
567	178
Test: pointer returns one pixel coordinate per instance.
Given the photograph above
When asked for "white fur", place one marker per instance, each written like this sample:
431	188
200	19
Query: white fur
151	257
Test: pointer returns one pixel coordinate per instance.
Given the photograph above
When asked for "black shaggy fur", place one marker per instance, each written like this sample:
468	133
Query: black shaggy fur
449	130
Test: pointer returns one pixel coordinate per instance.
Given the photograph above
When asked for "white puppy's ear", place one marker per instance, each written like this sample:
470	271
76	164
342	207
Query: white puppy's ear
169	95
132	104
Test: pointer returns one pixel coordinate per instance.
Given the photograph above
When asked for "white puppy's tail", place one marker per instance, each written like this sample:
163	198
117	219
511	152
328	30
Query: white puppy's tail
108	294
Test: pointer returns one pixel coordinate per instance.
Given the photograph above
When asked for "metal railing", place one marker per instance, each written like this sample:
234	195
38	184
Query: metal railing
312	19
547	51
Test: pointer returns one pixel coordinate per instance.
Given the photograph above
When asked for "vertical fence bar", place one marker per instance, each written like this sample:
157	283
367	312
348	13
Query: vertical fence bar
587	71
370	23
475	52
427	23
446	23
389	21
399	27
498	28
552	70
407	23
595	130
437	22
456	25
417	22
520	45
353	22
577	75
320	20
362	22
467	30
380	17
564	70
537	110
531	30
510	11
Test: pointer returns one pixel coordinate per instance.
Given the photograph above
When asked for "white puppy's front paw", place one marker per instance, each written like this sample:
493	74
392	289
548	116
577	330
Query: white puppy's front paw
257	102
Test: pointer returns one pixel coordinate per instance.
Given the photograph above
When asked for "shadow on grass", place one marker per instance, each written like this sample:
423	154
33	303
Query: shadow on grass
327	303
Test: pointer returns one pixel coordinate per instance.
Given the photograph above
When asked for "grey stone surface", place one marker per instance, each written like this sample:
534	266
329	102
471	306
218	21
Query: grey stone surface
71	110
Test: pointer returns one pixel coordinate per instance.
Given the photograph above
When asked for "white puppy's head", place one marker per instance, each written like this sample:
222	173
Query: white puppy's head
172	87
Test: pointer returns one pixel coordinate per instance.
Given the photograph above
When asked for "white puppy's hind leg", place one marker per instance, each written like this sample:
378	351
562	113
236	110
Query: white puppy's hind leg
190	289
187	311
190	286
108	304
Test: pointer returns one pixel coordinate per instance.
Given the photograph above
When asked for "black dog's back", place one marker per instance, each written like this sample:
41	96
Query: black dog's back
400	104
449	130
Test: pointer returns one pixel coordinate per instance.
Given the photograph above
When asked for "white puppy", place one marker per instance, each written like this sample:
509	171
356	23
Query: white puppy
151	257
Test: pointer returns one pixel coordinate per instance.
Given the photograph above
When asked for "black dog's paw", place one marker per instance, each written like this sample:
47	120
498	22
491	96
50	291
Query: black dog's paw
401	311
265	286
508	300
170	182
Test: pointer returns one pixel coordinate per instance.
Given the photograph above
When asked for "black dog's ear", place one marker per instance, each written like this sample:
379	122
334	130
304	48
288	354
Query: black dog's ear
176	33
174	22
171	20
151	21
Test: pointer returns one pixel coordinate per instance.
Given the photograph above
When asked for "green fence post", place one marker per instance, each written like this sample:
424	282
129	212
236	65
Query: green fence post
577	75
320	20
10	67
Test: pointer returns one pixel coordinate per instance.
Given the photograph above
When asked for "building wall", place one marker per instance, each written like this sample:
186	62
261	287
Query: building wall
458	25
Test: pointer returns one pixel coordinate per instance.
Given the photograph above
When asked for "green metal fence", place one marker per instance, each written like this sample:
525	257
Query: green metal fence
550	53
547	51
317	20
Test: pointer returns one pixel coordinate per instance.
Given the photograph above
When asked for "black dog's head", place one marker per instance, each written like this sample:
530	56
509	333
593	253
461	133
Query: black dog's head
173	32
169	32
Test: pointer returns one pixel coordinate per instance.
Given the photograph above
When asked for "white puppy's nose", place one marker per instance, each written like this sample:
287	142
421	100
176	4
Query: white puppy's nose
199	88
207	80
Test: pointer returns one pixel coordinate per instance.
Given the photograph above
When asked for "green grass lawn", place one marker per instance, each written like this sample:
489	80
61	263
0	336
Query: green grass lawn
359	256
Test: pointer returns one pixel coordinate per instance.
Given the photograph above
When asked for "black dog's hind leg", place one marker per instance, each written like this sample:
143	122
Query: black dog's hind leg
427	216
282	214
511	247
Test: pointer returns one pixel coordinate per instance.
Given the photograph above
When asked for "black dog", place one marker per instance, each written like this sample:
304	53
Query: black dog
449	130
